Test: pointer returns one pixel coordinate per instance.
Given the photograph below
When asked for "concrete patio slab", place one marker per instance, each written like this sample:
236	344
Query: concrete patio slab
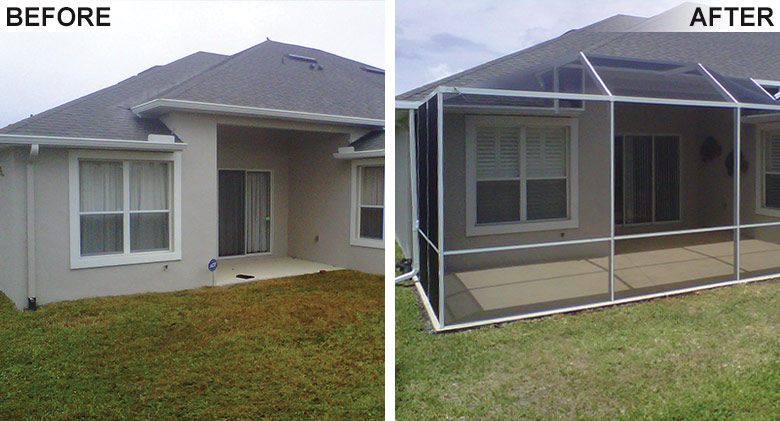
639	269
264	267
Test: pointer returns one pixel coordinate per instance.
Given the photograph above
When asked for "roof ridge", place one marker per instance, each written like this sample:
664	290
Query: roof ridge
215	65
268	41
621	34
328	53
53	111
504	58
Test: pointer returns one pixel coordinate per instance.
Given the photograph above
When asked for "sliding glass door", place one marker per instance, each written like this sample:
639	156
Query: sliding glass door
647	179
244	212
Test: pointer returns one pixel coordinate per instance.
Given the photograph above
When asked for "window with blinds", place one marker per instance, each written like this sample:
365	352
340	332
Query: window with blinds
521	172
771	175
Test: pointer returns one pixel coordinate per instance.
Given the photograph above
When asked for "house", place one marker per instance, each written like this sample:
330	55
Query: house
270	160
592	169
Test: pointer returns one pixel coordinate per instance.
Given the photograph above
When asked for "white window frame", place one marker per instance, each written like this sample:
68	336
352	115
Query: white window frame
77	261
761	135
572	221
354	227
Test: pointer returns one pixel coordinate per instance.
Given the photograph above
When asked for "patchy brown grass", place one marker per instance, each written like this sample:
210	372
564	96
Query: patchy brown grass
302	347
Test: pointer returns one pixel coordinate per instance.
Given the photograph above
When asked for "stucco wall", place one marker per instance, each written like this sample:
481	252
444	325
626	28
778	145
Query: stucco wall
13	232
319	205
321	186
57	282
257	149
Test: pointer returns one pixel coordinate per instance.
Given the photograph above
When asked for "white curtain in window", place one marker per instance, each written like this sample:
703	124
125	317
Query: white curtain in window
100	186
258	212
372	186
149	186
100	190
372	191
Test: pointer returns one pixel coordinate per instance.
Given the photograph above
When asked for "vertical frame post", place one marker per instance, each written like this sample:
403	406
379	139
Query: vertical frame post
440	188
413	190
737	182
612	200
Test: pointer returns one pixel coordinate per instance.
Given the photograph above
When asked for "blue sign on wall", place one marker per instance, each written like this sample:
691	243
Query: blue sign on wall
213	265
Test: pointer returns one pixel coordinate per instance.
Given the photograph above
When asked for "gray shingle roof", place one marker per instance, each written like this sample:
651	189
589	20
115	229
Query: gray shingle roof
371	141
262	76
731	54
265	76
106	114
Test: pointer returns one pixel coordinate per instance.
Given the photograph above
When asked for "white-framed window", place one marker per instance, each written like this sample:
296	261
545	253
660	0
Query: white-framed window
124	208
368	203
521	174
768	183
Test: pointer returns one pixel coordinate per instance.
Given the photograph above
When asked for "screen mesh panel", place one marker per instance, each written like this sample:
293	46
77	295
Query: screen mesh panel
667	263
759	251
667	178
645	79
427	201
744	90
484	286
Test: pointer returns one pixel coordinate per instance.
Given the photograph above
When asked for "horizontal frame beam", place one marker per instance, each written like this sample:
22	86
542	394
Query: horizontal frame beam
594	97
460	326
525	246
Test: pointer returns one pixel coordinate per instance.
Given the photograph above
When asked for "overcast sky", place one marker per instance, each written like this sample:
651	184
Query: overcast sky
39	71
436	38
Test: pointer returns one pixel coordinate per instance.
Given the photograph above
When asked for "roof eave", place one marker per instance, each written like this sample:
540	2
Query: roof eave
160	106
90	143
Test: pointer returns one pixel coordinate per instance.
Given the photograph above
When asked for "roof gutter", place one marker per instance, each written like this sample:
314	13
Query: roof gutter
160	106
90	143
350	153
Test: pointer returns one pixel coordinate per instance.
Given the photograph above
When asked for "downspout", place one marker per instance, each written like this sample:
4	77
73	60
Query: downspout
413	189
32	294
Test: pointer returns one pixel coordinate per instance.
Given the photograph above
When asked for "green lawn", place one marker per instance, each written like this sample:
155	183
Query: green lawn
708	355
304	347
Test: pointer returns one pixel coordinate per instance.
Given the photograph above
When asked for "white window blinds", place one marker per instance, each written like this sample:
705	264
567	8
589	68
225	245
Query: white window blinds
521	173
498	153
546	152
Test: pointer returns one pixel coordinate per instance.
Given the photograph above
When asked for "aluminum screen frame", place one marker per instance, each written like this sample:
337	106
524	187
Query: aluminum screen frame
430	193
